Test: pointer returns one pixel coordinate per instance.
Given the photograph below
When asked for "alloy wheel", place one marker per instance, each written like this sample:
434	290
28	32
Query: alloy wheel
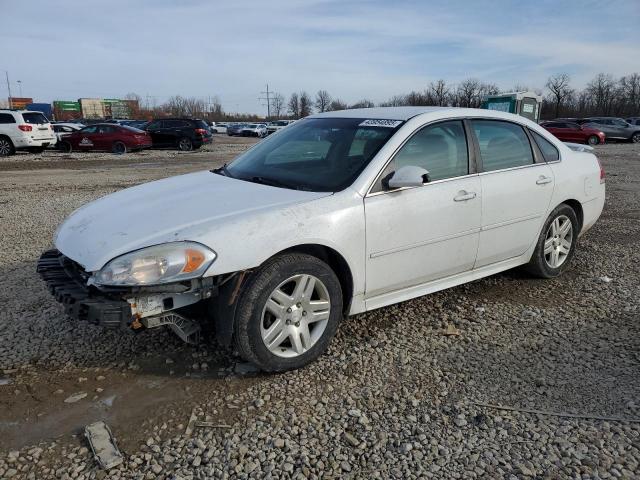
185	145
5	147
295	316
593	140
558	241
635	138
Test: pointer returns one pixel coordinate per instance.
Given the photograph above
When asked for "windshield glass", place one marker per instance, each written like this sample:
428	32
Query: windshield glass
317	154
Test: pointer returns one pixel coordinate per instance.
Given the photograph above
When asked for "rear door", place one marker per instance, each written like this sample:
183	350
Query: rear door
105	137
516	190
156	130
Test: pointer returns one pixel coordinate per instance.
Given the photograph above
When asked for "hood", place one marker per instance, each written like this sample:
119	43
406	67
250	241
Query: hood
168	210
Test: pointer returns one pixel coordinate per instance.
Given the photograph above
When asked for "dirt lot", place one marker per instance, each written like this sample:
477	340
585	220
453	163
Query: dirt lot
394	397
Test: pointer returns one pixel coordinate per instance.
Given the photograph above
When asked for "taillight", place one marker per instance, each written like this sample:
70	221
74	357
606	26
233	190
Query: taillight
201	131
25	128
602	174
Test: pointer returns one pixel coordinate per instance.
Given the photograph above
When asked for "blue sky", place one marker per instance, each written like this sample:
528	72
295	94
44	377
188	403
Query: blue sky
352	48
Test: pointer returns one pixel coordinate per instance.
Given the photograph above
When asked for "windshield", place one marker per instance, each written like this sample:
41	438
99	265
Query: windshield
317	154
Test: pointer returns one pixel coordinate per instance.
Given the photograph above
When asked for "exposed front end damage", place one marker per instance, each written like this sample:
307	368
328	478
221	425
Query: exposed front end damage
176	305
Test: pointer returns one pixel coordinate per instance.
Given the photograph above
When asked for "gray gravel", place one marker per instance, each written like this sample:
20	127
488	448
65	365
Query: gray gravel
395	396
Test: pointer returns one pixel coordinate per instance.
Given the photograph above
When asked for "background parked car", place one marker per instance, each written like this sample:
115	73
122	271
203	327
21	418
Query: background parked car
182	133
614	128
63	129
273	127
218	127
235	129
255	130
572	132
24	130
108	137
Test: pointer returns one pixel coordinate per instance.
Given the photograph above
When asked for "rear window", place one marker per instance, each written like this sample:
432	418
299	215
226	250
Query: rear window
7	118
549	152
34	118
201	124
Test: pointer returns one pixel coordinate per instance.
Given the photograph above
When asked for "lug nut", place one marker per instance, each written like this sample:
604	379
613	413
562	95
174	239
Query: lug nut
298	304
304	313
289	310
288	322
297	324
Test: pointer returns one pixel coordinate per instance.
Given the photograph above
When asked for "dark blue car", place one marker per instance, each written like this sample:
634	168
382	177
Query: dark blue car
235	129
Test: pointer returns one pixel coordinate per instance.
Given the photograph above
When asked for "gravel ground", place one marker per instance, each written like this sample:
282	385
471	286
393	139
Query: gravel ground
395	396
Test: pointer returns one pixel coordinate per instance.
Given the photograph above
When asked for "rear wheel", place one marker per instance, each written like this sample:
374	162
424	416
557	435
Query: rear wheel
635	138
556	243
185	144
65	147
119	148
6	147
593	140
288	312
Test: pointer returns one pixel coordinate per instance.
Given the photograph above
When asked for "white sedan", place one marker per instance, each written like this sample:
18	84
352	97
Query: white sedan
338	214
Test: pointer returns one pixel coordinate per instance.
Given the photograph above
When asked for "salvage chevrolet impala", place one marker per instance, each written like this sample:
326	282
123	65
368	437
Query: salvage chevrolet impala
339	213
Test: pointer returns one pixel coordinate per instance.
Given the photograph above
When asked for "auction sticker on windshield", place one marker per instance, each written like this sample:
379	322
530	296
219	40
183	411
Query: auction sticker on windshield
380	123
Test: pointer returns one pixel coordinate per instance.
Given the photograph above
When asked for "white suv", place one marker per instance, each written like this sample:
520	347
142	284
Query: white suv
24	130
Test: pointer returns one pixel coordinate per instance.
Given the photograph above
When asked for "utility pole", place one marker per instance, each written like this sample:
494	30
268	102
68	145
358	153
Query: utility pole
268	101
9	89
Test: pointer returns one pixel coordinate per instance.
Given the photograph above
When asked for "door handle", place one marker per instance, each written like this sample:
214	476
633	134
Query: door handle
543	180
463	196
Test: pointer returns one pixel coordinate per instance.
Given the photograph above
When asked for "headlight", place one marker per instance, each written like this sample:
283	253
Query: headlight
170	262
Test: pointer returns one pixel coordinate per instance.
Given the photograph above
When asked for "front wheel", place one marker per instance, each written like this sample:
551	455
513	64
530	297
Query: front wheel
593	140
65	147
635	138
185	144
556	244
288	312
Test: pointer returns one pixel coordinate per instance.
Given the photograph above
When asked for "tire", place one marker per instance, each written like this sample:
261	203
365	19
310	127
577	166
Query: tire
36	149
119	148
556	244
256	323
593	140
6	147
185	144
635	138
65	147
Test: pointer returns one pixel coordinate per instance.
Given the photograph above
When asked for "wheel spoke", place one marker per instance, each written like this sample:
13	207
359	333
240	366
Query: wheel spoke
320	310
555	226
305	336
296	342
304	284
565	228
274	331
555	258
548	246
280	297
275	308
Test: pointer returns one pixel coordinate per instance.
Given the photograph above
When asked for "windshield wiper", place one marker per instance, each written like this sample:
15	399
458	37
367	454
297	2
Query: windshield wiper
223	170
272	182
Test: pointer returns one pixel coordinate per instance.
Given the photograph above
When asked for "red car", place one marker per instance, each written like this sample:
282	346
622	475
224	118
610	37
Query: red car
572	132
108	137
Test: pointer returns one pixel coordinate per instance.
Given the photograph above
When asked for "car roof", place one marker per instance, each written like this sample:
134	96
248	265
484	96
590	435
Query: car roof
386	113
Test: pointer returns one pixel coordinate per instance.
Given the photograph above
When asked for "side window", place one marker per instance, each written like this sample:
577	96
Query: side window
155	125
91	129
441	149
7	118
549	151
502	145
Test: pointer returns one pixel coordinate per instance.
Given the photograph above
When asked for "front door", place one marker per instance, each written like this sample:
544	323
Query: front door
516	191
417	235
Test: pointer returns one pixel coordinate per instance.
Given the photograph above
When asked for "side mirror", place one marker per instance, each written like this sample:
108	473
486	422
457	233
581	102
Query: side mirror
408	176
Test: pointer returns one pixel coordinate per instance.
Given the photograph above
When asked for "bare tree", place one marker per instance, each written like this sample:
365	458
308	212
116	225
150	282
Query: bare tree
629	91
467	93
560	91
601	92
277	105
336	104
395	101
364	103
294	106
306	107
439	92
323	99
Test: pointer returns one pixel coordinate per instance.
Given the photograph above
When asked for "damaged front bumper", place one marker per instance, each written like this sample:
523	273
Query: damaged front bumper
129	308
